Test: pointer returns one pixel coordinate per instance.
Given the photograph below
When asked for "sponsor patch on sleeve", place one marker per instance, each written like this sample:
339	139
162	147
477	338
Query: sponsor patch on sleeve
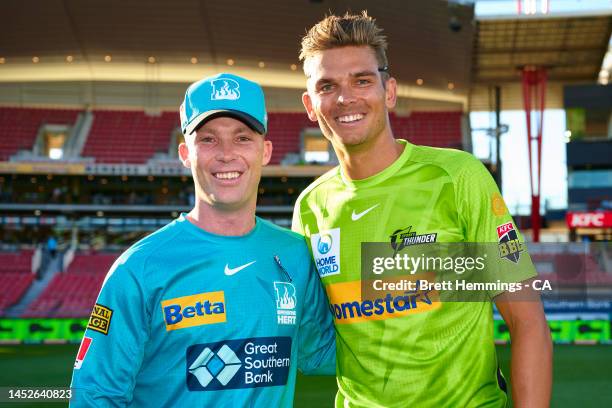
82	352
100	319
510	247
498	206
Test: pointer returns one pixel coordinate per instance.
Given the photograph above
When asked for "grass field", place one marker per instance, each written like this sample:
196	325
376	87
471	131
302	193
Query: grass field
582	374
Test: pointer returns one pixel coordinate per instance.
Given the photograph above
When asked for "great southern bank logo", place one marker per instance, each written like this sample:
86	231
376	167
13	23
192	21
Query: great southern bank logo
222	365
326	251
243	363
225	88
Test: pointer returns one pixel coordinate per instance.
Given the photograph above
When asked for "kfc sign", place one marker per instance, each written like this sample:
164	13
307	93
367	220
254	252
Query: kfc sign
600	219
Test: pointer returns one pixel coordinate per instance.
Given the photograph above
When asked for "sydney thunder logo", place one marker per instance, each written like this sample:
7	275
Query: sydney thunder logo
402	238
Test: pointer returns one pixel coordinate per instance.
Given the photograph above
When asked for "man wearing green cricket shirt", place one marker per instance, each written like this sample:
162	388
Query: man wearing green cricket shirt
437	354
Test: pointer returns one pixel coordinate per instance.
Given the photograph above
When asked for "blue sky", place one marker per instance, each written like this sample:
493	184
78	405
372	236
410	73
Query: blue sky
515	168
509	7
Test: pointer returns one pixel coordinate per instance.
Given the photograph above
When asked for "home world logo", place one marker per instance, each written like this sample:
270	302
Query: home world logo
242	363
326	252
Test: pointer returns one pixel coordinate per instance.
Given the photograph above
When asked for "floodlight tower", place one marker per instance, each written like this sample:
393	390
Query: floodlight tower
534	96
534	90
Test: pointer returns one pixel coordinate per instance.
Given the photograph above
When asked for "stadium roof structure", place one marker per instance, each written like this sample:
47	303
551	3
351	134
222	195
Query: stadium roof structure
440	52
572	48
156	40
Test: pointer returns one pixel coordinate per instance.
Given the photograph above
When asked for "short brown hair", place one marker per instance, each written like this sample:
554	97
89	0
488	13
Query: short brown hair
350	29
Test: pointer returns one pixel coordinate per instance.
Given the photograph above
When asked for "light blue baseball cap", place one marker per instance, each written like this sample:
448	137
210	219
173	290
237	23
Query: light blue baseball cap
224	95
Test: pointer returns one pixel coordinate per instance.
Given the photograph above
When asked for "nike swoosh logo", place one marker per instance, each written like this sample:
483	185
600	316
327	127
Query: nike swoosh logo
231	271
357	216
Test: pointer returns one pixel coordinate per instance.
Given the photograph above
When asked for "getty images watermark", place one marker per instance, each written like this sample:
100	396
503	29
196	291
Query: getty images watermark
459	265
479	272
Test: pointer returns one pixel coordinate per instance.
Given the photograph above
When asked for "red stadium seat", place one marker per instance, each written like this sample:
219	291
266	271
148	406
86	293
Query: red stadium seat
74	292
130	137
15	277
19	126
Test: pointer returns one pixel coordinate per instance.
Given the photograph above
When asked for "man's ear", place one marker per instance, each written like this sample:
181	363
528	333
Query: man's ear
183	152
308	105
267	152
391	93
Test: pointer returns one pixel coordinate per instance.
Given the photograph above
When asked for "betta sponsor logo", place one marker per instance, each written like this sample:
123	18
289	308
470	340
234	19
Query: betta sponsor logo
509	246
402	238
326	251
194	310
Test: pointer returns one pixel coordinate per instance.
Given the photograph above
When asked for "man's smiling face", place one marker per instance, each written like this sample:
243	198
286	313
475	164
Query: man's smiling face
226	159
346	95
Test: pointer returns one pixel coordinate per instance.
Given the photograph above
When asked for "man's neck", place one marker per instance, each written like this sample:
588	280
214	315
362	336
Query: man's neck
223	222
363	161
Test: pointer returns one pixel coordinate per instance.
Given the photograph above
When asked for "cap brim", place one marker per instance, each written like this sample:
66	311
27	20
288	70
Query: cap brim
247	119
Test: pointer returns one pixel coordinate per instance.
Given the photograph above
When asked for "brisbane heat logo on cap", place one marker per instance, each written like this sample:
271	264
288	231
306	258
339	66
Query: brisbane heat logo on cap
510	247
326	251
224	88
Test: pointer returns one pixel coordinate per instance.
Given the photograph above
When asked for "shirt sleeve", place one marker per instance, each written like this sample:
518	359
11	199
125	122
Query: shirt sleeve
112	348
296	222
316	337
485	220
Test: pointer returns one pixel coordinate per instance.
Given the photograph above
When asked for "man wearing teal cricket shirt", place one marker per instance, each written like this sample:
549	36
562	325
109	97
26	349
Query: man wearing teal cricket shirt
219	307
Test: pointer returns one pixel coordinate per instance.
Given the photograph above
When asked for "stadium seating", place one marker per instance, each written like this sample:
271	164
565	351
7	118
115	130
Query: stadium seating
15	277
73	293
19	126
438	129
284	130
129	136
133	137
